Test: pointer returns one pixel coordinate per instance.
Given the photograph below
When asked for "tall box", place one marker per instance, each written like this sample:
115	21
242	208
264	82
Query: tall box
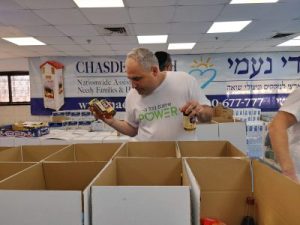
86	152
141	191
53	84
49	193
149	149
208	149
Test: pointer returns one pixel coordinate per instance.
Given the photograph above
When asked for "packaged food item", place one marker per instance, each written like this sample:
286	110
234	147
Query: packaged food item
102	108
189	123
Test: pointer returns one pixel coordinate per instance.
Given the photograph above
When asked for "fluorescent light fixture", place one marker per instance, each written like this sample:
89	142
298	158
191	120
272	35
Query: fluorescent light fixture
232	26
252	1
297	38
99	3
24	41
292	42
181	46
152	39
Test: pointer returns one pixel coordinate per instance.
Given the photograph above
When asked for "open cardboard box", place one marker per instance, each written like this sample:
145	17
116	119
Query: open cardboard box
225	183
86	152
4	148
149	149
8	169
29	153
48	193
208	149
141	191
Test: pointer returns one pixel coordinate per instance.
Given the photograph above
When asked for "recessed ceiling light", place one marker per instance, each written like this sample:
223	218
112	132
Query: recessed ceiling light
181	46
293	42
99	3
24	41
232	26
152	39
251	1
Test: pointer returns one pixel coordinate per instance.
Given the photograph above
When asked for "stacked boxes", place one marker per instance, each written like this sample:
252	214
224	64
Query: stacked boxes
141	183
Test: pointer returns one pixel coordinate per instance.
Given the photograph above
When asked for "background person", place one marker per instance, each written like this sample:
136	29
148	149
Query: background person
156	101
284	131
164	61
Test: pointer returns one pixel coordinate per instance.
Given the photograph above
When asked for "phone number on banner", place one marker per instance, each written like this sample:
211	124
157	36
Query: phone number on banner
267	102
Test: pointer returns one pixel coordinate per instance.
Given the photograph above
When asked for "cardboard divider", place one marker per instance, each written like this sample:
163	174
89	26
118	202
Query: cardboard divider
86	152
277	196
149	149
4	148
8	169
49	193
225	183
29	153
141	191
208	149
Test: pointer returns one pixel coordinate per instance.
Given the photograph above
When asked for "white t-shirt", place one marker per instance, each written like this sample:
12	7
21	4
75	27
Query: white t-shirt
157	115
292	106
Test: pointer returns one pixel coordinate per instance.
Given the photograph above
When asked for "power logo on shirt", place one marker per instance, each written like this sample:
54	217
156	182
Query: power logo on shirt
158	114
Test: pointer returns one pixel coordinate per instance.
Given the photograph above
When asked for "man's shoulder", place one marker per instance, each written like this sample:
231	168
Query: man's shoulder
181	75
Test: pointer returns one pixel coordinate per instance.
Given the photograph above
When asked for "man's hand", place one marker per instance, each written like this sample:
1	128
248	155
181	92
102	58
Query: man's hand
194	108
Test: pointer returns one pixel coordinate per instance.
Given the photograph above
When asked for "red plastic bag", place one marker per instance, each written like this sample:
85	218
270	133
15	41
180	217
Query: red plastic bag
211	221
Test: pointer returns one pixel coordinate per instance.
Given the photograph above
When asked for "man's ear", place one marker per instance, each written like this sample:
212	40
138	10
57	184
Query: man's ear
155	70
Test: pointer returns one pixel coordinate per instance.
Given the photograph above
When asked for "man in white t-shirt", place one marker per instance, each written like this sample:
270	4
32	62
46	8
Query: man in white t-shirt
157	100
284	131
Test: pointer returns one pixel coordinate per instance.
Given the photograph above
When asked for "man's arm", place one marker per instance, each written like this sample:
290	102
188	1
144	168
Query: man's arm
279	140
203	113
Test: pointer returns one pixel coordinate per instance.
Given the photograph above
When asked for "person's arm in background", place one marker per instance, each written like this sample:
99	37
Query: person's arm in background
279	140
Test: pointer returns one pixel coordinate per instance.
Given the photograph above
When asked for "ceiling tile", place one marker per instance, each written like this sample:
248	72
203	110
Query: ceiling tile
177	38
62	16
121	39
9	5
56	40
202	2
146	3
155	47
68	48
107	16
20	17
46	4
94	40
152	14
77	30
197	13
189	28
151	28
102	53
96	47
126	47
47	30
10	31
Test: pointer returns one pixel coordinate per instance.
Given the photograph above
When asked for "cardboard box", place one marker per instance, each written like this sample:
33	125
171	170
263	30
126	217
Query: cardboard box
207	131
86	152
208	149
149	149
48	193
225	184
29	153
7	131
53	84
141	191
8	169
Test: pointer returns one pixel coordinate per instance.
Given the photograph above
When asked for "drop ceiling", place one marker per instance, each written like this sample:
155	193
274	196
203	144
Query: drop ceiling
70	31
